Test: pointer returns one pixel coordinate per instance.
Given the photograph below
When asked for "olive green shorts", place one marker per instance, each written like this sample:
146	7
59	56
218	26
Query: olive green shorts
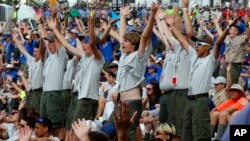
52	107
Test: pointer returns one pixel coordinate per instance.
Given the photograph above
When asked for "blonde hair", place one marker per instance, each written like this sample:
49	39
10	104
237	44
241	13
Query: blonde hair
165	128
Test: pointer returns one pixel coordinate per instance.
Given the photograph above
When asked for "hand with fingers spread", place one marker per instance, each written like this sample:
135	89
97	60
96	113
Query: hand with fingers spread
38	16
81	129
125	10
20	73
51	23
25	133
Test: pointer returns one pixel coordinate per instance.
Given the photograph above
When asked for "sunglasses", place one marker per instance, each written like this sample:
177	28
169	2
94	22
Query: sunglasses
201	44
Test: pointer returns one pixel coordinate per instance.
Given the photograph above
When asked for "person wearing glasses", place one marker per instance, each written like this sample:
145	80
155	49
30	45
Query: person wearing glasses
151	103
196	111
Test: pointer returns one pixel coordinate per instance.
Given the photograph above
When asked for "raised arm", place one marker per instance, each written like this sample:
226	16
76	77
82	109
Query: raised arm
43	32
92	42
60	37
222	38
107	29
115	35
185	44
160	18
146	35
18	44
24	80
187	21
124	12
157	33
216	23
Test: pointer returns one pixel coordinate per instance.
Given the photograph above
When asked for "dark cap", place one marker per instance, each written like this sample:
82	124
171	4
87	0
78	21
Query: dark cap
50	38
204	38
138	29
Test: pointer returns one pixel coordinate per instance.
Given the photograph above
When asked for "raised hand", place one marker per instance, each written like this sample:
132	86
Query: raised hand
125	10
185	3
154	8
20	73
169	19
160	14
9	78
25	133
81	129
14	35
215	18
201	20
51	23
2	115
38	16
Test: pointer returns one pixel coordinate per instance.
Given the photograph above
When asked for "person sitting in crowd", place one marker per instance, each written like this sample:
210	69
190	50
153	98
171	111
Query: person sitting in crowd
220	116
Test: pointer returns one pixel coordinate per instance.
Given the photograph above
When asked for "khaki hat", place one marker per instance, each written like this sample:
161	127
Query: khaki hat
237	87
50	38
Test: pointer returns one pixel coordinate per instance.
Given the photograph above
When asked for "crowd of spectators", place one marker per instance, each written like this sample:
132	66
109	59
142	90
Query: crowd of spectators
158	72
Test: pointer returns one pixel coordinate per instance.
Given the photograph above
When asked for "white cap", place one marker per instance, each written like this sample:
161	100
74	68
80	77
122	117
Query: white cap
10	66
219	79
74	31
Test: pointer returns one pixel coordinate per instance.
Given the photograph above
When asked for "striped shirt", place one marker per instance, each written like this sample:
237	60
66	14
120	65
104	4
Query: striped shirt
35	72
54	70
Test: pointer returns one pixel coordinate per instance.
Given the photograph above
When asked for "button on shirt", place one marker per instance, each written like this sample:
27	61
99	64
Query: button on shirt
200	72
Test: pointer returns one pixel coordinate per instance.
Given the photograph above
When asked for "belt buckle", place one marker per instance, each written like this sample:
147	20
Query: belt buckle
192	97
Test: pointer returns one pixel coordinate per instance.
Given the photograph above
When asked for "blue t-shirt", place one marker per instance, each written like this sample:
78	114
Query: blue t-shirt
222	46
29	48
152	106
151	78
8	49
107	51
